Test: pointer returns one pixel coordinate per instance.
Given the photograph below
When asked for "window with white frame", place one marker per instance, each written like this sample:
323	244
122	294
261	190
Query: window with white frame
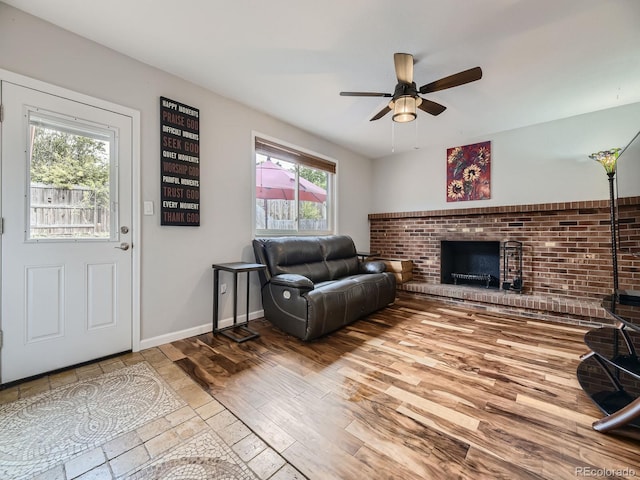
72	179
294	191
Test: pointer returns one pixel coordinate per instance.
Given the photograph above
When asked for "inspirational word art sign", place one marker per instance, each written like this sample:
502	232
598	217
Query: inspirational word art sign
179	164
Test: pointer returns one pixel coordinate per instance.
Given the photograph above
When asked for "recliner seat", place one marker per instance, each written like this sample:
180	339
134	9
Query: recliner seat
315	285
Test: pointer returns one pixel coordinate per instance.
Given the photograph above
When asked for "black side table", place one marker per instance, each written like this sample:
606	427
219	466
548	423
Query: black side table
238	332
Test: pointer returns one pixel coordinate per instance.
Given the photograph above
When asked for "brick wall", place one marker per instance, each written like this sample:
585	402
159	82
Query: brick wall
566	246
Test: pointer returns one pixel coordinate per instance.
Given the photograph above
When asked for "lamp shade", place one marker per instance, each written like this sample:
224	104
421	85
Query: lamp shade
607	158
404	109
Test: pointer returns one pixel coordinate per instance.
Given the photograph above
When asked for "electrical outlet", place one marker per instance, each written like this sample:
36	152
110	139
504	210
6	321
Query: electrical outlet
223	288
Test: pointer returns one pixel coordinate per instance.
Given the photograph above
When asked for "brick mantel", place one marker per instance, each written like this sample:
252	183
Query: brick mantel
567	245
513	209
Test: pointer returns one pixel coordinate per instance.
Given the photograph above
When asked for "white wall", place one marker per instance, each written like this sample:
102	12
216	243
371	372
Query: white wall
176	262
543	163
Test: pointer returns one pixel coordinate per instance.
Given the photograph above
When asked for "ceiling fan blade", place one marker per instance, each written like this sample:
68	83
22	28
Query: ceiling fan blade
404	67
365	94
454	80
381	113
431	107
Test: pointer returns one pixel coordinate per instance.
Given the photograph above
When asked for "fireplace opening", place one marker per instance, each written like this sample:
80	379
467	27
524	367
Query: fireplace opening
470	262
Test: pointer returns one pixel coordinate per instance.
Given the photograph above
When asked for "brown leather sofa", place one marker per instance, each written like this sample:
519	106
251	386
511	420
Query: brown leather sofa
315	285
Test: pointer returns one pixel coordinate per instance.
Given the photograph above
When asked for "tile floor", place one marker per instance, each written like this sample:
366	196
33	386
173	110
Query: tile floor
141	446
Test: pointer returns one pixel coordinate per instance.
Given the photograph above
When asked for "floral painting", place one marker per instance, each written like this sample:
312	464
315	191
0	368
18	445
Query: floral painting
469	172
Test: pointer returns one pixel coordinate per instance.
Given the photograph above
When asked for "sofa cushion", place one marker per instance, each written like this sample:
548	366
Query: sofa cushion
340	256
298	255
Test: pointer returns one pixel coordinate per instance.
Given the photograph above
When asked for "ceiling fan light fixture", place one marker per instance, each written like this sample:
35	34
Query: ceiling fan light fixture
404	109
406	99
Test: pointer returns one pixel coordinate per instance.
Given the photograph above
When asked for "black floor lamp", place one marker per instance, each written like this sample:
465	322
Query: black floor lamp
608	160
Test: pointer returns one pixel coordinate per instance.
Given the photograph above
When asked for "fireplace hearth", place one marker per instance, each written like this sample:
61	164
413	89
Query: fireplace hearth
470	262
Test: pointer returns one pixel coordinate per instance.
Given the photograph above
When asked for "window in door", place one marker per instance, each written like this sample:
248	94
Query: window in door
294	191
72	180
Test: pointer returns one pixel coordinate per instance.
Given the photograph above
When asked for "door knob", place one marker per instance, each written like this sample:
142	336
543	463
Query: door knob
123	246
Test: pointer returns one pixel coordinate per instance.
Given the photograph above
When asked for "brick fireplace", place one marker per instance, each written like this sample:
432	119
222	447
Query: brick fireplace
567	267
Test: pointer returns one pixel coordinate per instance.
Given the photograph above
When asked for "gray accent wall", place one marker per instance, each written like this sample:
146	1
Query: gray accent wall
176	276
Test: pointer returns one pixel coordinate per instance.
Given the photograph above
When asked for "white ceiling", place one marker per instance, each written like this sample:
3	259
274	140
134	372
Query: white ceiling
542	59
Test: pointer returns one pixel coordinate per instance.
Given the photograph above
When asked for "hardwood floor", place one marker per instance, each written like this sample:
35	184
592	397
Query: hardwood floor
417	390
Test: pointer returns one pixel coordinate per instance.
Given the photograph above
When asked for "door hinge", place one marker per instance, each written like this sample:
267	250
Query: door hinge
1	113
0	339
1	225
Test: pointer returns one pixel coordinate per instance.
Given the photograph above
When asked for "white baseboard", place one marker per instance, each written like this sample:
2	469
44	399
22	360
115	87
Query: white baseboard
193	331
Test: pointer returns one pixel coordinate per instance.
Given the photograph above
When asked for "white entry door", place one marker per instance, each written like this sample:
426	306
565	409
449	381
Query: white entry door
66	241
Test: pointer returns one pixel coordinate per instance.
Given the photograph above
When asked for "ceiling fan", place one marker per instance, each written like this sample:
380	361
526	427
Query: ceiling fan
405	99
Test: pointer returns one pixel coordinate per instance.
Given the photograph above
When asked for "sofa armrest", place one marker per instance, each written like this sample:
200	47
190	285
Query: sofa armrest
372	267
293	280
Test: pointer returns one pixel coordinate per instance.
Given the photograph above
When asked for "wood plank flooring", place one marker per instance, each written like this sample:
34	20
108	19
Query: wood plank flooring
417	390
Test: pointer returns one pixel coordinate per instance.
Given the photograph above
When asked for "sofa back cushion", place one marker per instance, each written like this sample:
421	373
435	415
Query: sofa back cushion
317	258
301	255
340	256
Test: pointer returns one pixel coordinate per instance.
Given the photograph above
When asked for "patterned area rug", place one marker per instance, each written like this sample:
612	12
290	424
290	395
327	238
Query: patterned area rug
45	430
39	432
205	457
